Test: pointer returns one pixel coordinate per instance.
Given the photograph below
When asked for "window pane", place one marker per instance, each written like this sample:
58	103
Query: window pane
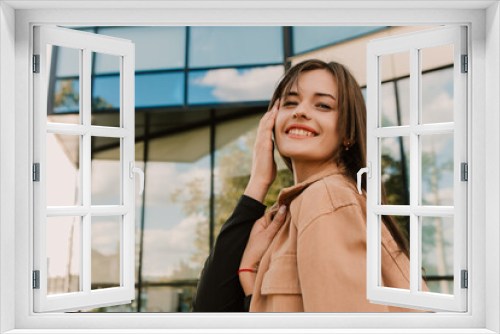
105	256
63	254
105	94
437	169
395	162
155	47
63	69
403	91
394	104
393	258
66	97
234	141
437	253
62	170
177	211
106	171
229	46
67	62
233	160
175	298
105	64
388	105
309	38
233	85
105	89
159	89
437	89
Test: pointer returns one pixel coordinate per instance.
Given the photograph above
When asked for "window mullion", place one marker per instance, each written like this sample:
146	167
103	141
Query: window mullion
86	169
414	167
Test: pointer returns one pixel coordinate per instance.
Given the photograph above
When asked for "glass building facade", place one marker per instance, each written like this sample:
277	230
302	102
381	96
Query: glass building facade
200	93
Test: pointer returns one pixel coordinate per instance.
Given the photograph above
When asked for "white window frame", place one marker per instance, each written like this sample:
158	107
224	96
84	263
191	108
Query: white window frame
414	43
483	21
124	50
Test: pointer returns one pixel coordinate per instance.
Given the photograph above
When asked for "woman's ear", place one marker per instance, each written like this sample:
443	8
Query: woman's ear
348	143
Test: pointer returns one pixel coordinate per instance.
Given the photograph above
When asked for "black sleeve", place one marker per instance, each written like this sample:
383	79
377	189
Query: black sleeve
219	288
246	303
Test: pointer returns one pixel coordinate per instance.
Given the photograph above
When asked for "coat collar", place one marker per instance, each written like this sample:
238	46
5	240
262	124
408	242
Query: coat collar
286	195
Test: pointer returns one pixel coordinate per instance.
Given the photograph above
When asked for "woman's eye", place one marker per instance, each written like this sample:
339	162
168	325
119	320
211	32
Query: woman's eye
325	106
288	103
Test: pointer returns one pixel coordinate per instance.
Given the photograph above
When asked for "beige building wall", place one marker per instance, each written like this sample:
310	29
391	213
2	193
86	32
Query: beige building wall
352	53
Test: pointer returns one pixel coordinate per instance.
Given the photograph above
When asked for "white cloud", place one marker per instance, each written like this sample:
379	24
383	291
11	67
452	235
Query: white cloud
106	235
390	145
438	144
164	249
231	85
164	178
196	173
444	195
439	108
105	182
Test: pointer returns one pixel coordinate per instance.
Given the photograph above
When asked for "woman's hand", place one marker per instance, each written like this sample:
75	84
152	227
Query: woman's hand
263	164
260	238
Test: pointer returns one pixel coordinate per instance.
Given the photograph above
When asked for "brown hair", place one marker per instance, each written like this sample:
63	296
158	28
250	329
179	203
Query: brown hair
351	126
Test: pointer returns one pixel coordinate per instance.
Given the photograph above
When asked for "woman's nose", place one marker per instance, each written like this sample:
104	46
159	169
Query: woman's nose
300	112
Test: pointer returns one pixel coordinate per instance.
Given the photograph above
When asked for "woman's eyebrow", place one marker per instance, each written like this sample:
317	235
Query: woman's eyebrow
324	94
316	94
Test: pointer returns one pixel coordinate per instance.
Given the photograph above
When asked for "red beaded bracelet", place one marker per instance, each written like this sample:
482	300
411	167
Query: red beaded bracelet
250	270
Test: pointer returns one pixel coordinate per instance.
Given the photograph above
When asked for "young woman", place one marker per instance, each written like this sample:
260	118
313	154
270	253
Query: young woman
313	257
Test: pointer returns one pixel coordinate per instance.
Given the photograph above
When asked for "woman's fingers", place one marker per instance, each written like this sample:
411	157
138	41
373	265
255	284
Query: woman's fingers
278	220
267	122
264	135
271	116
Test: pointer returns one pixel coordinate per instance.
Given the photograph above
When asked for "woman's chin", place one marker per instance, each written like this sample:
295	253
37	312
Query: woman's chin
299	156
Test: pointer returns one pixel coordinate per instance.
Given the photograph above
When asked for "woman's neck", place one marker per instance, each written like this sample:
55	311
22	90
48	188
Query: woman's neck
302	170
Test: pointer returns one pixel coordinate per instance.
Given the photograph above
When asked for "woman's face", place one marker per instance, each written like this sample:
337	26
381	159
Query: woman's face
306	124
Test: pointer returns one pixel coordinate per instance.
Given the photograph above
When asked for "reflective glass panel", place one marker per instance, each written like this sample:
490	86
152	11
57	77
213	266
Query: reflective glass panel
437	254
106	88
395	261
395	170
313	37
155	47
67	61
394	103
233	85
159	89
105	63
66	96
235	142
437	86
177	210
63	70
62	170
176	298
106	171
105	94
105	257
229	46
437	169
63	254
403	98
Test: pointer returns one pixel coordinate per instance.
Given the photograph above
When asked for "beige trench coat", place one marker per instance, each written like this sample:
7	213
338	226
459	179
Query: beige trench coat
317	261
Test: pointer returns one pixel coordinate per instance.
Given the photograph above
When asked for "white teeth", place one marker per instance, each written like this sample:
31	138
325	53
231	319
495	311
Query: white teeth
301	132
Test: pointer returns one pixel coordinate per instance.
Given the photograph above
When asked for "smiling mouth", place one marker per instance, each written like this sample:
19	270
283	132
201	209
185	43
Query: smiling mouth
300	134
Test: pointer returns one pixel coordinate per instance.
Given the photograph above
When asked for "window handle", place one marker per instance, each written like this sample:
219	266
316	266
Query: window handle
368	171
139	171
